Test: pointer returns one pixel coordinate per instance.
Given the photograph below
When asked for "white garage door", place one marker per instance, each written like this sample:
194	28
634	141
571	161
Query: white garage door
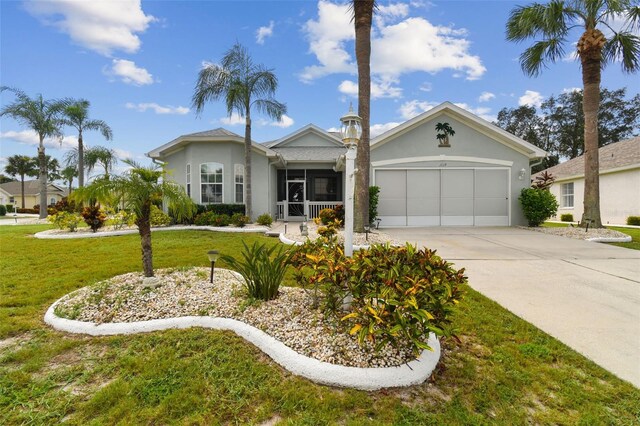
443	197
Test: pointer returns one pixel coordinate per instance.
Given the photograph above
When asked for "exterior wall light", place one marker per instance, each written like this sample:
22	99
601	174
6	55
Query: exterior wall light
351	131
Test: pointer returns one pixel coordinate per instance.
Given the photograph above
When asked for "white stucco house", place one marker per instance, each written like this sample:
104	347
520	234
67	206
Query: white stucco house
619	183
475	180
11	192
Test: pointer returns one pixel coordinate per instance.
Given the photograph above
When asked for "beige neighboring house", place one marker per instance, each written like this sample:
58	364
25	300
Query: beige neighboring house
10	193
619	183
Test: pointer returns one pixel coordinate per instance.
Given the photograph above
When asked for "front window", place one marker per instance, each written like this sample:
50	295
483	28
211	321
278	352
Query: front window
239	183
52	201
567	194
211	183
188	180
325	188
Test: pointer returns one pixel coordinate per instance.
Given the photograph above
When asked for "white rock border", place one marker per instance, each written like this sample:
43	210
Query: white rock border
626	239
286	240
47	235
370	379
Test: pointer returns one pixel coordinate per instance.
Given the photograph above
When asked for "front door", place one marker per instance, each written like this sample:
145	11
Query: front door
295	199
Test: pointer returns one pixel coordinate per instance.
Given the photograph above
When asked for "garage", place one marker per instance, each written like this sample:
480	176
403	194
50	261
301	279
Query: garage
444	197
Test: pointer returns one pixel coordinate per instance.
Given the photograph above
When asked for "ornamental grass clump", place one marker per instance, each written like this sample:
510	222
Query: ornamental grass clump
262	268
392	295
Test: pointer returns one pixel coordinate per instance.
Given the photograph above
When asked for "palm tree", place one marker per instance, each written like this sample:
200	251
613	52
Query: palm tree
552	22
67	174
77	116
102	156
362	17
139	189
21	165
244	85
444	131
41	116
53	168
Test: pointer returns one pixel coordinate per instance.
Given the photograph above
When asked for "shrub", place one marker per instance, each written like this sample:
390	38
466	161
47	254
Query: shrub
566	217
374	197
212	219
158	217
30	211
239	220
64	205
65	220
264	219
181	219
121	219
543	181
327	215
262	269
633	220
94	217
228	209
399	294
3	210
9	208
538	205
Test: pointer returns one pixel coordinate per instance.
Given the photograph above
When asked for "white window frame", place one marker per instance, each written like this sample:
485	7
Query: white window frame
566	196
212	165
238	172
188	180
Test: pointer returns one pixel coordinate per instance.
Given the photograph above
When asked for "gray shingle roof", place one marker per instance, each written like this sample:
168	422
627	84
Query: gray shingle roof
213	133
329	154
31	187
613	156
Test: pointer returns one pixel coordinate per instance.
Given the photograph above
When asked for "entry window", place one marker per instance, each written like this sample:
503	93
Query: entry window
325	188
188	180
567	194
239	183
211	183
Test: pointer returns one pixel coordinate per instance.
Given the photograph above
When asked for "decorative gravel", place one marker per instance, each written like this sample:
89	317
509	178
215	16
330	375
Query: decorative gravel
375	236
580	233
187	292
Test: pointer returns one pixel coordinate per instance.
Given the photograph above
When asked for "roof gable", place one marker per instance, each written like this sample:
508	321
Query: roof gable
31	187
467	118
309	136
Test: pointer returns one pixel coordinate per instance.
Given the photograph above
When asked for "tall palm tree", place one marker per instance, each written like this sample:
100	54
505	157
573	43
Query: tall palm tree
362	17
99	155
21	165
67	174
552	22
76	115
244	85
138	189
41	116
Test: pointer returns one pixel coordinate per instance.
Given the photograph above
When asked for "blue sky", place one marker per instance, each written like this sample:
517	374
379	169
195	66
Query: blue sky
137	63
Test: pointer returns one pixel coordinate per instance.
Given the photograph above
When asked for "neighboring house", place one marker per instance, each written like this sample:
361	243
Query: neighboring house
475	180
619	183
11	193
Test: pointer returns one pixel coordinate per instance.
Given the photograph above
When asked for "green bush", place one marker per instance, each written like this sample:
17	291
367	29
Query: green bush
538	205
399	294
327	215
9	208
262	268
64	205
633	220
65	220
239	220
228	209
121	219
566	217
3	210
158	217
264	219
374	197
212	219
94	216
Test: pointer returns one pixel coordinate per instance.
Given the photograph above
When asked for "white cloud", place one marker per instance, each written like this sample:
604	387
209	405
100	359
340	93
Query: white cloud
426	87
482	112
486	96
234	120
327	37
530	98
390	13
102	26
129	72
29	137
378	129
264	32
285	122
381	89
123	154
410	109
571	89
158	109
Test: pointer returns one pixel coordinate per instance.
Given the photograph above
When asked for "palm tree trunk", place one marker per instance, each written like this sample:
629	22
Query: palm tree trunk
80	161
42	160
247	166
363	15
144	229
591	69
22	189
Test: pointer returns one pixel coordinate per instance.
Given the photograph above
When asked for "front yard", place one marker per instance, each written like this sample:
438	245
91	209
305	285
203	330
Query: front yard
503	370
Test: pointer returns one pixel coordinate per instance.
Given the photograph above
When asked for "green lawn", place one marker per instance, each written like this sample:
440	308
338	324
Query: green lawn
502	371
633	232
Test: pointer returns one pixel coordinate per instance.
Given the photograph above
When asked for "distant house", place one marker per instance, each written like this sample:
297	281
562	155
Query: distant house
11	193
619	183
472	180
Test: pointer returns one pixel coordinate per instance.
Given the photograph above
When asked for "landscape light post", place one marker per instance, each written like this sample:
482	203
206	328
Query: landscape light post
350	130
213	256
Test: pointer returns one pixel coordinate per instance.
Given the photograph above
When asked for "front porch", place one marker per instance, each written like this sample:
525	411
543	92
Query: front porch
311	209
302	193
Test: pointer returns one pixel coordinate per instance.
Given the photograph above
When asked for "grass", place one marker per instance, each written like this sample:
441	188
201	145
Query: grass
634	233
502	371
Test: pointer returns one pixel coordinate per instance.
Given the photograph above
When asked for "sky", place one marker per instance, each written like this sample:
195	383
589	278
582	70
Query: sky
137	63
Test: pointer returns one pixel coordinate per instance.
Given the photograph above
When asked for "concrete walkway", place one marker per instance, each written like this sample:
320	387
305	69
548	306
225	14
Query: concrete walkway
585	294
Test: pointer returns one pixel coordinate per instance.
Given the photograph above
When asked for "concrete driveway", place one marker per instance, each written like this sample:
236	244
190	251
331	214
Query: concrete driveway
585	294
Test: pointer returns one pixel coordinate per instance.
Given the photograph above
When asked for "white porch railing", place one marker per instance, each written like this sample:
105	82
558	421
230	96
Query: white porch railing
311	208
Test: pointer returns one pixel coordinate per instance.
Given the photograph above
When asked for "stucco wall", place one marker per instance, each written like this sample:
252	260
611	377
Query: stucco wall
619	196
469	148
